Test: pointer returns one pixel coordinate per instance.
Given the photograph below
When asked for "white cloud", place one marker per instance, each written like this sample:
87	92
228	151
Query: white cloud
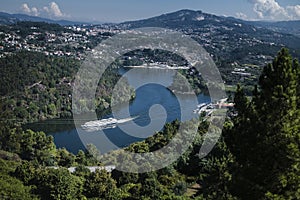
25	8
30	11
55	10
241	15
51	11
34	11
46	9
295	11
271	10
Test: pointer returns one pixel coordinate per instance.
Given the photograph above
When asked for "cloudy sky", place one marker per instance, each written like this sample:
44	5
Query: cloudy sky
123	10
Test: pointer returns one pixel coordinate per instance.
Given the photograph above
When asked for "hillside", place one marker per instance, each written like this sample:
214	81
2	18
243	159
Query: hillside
289	27
6	18
200	23
239	48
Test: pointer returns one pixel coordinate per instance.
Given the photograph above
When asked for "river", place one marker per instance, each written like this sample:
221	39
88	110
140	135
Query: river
148	96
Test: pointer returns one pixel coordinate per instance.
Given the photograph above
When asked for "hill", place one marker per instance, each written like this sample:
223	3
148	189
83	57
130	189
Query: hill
202	23
6	18
290	27
235	45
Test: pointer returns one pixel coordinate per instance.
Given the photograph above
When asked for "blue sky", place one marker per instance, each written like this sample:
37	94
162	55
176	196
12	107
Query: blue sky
124	10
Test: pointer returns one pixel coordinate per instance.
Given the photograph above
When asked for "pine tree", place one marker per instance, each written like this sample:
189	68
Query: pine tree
265	137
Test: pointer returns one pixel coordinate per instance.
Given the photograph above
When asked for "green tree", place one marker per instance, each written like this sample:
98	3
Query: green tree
65	158
100	185
92	152
151	188
37	146
11	187
26	172
81	171
52	109
215	173
180	188
58	184
81	158
265	137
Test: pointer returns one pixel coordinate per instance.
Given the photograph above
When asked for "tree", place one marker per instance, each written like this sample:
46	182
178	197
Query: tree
81	158
52	109
58	184
241	101
92	152
215	171
279	83
11	187
100	184
65	158
37	146
151	188
265	137
26	172
81	171
180	188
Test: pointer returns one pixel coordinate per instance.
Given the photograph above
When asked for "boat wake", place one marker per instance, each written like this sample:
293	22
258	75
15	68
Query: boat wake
104	124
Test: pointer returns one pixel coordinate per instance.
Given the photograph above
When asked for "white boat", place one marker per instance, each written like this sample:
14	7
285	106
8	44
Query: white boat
199	107
104	123
101	122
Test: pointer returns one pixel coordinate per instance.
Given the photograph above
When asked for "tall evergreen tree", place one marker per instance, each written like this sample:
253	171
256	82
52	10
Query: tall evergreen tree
265	137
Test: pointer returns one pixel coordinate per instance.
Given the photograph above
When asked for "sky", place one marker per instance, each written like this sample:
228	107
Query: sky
125	10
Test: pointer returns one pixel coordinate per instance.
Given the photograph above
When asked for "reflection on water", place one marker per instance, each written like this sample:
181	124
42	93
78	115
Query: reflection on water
154	105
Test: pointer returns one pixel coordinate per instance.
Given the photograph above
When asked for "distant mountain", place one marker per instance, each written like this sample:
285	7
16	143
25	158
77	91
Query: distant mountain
191	19
6	18
200	23
291	27
178	20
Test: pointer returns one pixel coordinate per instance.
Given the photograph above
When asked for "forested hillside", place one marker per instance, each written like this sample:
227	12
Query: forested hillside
38	87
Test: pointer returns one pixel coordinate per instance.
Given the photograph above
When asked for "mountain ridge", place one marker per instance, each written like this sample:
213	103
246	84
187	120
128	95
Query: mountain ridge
200	23
176	19
290	27
179	18
6	18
